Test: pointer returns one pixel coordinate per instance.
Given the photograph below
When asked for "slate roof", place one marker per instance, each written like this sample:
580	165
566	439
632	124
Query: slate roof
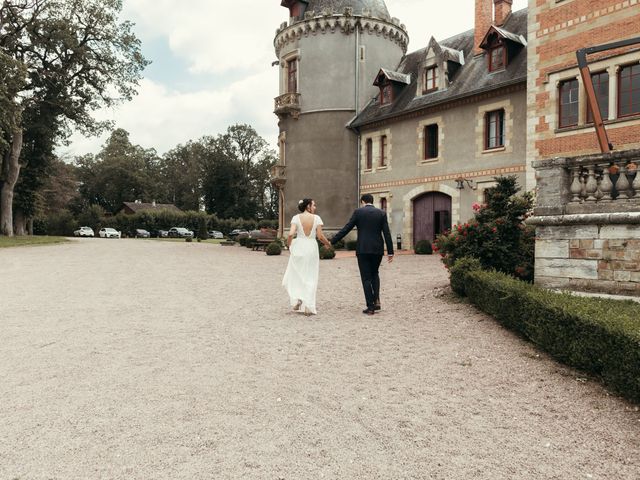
377	8
139	206
396	76
470	79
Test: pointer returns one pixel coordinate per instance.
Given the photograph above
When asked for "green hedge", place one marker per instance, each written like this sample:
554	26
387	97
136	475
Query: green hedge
601	336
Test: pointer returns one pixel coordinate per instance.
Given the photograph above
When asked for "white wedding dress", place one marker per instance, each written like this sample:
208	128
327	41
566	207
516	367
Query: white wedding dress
301	277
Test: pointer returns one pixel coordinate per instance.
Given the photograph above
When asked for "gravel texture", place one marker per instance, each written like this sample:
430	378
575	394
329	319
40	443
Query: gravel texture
135	359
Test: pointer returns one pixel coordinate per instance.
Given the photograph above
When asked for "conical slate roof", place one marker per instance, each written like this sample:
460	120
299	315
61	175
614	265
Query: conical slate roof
376	8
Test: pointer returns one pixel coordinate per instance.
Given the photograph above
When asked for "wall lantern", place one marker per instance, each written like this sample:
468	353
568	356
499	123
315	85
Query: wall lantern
460	182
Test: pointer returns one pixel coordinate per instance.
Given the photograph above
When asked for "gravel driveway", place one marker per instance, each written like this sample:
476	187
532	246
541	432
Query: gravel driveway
136	359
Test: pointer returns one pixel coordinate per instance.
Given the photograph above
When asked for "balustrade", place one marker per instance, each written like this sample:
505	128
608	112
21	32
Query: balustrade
604	182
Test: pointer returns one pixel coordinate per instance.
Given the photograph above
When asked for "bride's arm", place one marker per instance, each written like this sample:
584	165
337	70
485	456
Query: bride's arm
292	232
321	236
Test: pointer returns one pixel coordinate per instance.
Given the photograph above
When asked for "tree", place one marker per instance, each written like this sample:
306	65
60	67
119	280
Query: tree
78	58
121	172
182	175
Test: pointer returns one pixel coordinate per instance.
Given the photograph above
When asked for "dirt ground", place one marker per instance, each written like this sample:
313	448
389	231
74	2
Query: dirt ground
135	359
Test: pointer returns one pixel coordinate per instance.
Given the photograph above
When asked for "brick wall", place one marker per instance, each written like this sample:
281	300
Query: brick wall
556	30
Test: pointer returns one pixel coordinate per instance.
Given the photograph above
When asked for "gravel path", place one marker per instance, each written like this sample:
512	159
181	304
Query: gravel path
133	359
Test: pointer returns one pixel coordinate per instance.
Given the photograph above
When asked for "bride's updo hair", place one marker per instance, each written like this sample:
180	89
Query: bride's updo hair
304	203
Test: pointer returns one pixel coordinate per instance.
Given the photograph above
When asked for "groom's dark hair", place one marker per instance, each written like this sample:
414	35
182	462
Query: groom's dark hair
366	198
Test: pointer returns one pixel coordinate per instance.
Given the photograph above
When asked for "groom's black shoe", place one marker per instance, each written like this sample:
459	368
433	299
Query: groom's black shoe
368	311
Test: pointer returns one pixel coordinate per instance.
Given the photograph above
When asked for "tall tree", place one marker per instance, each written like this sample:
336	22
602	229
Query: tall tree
182	174
78	58
121	172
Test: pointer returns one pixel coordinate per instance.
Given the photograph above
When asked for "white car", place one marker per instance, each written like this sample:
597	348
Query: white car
109	233
83	232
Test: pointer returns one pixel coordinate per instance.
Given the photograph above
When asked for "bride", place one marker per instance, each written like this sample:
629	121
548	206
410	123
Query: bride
301	277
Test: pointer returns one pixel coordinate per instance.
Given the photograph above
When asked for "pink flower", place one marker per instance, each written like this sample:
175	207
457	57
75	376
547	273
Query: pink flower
476	207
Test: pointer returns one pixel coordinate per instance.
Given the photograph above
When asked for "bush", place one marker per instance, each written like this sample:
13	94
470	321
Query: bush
351	244
497	236
327	253
598	335
459	271
189	239
274	248
423	247
339	244
243	241
249	242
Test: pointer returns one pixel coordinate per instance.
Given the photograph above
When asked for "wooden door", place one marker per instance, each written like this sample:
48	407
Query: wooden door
431	216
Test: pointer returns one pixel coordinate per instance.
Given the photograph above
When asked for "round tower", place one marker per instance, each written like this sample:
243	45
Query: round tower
329	53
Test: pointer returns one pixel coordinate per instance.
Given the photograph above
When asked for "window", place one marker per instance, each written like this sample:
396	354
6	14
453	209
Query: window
386	94
383	151
383	204
292	76
430	79
568	111
629	91
601	87
369	154
494	129
497	58
431	141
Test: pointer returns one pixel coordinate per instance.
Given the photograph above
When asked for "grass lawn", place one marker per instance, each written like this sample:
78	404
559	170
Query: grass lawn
29	240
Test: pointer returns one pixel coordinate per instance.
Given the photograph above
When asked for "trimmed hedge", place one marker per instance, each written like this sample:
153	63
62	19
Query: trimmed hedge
327	253
274	248
598	335
423	247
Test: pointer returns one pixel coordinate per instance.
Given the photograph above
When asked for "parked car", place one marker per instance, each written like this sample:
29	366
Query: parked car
160	233
215	234
84	232
238	233
109	233
141	233
179	232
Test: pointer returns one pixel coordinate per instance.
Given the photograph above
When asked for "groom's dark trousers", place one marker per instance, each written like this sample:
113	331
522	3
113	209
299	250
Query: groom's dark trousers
369	264
372	227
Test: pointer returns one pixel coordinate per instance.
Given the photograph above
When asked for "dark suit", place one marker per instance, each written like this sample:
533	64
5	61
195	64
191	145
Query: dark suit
372	226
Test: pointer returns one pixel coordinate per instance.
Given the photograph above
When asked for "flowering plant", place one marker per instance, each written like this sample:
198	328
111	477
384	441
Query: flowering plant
497	235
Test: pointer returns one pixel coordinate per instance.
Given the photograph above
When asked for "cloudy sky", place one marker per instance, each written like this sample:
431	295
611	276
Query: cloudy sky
211	65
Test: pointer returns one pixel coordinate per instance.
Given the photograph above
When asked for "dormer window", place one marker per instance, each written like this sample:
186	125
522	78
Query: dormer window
501	46
430	79
390	84
386	94
497	58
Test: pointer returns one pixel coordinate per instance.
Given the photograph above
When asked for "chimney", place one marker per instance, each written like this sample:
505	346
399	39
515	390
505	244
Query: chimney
484	16
502	11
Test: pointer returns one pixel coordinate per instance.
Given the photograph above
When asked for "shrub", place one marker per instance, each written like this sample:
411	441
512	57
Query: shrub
250	242
497	236
351	244
339	244
188	239
243	241
423	247
598	335
327	253
274	248
459	272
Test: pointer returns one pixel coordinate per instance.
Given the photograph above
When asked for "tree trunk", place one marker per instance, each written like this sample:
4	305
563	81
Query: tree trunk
9	175
19	222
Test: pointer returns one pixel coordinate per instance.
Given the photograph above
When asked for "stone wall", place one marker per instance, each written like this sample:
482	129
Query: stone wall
591	258
587	220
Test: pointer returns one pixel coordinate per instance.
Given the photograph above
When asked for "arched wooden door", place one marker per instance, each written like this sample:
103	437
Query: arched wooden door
431	216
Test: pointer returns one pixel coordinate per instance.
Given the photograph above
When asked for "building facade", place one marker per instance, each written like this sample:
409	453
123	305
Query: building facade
588	203
450	118
328	52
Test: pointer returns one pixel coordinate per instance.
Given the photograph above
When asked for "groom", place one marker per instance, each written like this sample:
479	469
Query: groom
372	225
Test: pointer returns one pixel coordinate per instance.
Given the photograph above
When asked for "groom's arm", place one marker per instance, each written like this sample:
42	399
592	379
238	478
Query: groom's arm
346	229
387	235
